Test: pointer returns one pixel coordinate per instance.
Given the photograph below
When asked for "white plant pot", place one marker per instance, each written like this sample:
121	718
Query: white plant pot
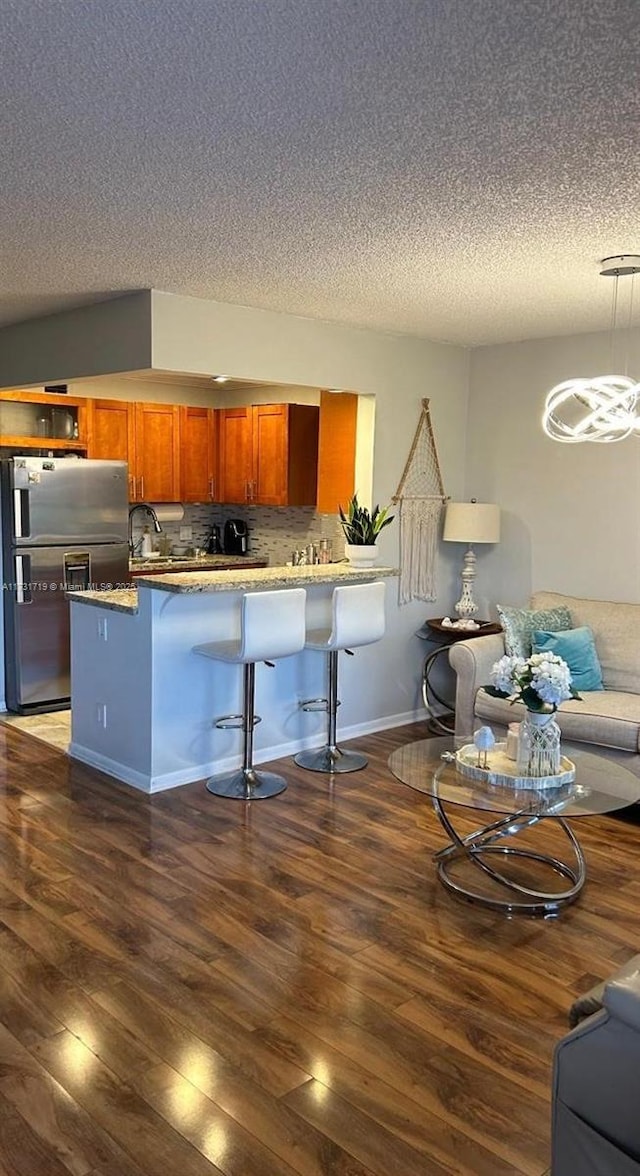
361	555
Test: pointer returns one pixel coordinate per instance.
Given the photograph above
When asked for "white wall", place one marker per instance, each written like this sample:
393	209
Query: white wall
569	512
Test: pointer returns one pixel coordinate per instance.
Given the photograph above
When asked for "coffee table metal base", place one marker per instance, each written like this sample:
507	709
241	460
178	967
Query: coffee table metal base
482	849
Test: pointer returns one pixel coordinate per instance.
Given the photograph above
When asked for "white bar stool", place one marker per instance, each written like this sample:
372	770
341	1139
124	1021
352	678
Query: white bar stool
357	618
271	626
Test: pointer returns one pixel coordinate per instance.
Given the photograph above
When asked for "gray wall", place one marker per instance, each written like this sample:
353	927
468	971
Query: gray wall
569	512
113	336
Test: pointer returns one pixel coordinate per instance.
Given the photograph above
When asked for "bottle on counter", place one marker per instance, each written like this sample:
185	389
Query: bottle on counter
146	547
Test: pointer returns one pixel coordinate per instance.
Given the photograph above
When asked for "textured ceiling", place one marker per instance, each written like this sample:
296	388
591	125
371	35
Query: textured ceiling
448	168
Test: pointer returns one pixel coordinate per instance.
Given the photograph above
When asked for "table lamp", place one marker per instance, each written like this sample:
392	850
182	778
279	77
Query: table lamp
470	522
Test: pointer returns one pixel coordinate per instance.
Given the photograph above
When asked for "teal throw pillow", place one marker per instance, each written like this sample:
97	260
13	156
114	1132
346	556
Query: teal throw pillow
577	648
519	623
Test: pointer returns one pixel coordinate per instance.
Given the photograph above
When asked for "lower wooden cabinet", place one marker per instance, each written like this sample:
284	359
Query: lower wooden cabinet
269	454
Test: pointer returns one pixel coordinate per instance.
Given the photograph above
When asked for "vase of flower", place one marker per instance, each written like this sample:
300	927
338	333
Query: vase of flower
542	682
539	744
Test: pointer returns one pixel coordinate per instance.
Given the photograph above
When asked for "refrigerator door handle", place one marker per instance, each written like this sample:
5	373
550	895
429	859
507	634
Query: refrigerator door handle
23	587
21	526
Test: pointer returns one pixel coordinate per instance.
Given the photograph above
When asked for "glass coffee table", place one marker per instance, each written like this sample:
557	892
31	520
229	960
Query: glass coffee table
506	873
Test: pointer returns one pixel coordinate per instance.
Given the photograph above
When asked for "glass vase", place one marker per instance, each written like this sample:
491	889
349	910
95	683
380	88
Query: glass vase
539	745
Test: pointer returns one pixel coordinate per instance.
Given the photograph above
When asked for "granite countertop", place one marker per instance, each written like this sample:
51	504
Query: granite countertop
193	563
233	580
123	600
238	580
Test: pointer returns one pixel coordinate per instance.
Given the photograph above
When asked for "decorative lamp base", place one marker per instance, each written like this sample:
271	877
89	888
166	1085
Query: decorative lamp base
466	606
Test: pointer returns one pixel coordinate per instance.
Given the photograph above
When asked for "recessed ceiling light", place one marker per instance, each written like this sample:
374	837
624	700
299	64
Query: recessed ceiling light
335	391
219	379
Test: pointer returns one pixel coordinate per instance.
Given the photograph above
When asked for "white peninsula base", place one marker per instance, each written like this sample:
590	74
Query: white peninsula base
144	705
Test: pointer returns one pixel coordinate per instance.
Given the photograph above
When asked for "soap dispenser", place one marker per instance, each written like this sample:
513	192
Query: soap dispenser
145	547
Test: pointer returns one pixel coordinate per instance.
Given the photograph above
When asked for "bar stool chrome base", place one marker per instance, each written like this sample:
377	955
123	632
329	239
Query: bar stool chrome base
246	784
330	759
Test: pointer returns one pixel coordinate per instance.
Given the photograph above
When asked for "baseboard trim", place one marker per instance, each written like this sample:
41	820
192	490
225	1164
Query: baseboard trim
189	775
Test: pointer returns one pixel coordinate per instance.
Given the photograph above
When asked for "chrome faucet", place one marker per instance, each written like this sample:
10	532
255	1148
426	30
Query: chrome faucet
154	518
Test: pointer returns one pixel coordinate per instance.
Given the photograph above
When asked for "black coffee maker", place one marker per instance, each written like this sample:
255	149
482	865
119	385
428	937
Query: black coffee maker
236	537
214	542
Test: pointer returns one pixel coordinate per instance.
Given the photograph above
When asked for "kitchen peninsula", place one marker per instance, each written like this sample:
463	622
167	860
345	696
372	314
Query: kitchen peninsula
144	705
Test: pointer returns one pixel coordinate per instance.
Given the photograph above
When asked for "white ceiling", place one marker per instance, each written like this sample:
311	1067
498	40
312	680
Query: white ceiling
448	168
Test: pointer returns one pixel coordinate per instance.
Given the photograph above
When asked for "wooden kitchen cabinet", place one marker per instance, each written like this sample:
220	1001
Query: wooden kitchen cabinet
199	454
157	453
112	432
31	420
147	436
235	438
269	454
337	450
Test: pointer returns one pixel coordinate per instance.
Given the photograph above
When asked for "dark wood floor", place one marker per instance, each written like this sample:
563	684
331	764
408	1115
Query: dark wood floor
188	988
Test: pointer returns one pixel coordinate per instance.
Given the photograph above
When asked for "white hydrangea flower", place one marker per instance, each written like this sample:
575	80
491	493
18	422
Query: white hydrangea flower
550	678
544	673
505	673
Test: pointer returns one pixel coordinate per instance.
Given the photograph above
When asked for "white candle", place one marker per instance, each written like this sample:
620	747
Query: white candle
511	750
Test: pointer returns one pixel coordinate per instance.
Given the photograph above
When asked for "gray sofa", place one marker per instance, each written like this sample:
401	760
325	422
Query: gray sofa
609	718
596	1083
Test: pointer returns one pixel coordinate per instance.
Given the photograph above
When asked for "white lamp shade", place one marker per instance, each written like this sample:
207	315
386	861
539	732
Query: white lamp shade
472	522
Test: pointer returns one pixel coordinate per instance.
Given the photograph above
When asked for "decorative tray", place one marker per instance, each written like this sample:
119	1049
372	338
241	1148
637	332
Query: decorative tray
502	770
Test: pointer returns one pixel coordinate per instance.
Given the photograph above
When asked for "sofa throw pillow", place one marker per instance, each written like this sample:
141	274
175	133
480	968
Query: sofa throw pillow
576	647
518	625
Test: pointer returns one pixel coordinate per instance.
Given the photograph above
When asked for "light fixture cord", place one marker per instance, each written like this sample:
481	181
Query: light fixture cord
614	311
626	369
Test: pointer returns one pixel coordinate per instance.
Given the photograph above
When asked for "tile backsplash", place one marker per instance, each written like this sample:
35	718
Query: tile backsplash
274	531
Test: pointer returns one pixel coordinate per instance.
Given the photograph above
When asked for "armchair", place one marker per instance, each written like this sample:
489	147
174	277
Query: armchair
596	1083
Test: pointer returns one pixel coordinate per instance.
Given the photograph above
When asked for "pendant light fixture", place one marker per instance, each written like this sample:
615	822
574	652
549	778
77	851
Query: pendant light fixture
599	408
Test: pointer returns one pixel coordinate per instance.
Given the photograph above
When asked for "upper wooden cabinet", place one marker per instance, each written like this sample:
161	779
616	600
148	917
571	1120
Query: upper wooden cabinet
269	454
157	458
337	453
199	454
111	431
147	436
235	438
41	420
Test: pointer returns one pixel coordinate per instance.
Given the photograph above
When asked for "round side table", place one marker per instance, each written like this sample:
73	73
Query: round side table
442	636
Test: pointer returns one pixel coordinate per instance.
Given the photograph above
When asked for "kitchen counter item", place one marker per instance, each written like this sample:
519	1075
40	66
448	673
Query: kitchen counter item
236	537
213	541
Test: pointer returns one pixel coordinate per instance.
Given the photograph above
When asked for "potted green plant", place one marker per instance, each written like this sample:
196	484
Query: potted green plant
361	529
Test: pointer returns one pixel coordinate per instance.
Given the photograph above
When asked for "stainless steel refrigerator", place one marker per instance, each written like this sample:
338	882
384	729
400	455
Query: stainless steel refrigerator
64	527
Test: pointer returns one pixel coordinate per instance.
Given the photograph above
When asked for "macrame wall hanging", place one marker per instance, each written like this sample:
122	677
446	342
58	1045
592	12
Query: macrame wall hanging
421	498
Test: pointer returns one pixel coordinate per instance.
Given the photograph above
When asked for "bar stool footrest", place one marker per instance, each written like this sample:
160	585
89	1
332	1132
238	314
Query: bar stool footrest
234	722
316	704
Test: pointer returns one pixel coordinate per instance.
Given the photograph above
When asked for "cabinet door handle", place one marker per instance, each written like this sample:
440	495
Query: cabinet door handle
142	487
132	488
211	488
